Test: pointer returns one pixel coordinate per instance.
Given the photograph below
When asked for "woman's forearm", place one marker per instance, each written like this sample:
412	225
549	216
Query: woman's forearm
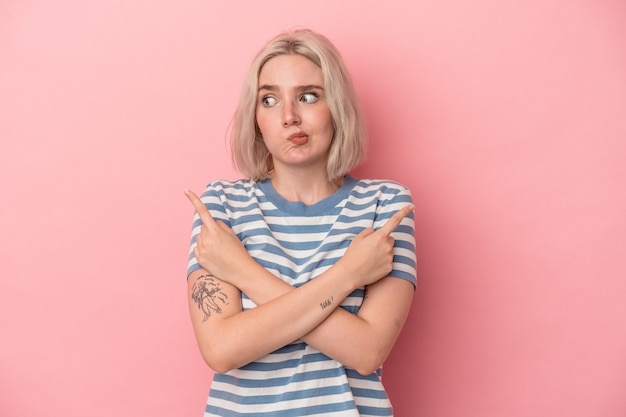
343	336
245	336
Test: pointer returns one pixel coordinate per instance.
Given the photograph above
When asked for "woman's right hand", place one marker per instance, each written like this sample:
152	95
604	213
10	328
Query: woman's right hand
218	249
370	254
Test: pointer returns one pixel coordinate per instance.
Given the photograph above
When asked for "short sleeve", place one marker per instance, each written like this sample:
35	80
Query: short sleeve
213	198
393	197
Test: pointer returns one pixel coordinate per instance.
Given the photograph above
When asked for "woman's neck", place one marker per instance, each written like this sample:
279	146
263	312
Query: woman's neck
305	187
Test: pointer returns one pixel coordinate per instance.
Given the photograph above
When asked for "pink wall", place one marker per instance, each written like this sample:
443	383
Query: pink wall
506	118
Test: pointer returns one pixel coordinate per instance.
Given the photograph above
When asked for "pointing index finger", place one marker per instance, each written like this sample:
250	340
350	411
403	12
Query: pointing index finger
393	222
203	212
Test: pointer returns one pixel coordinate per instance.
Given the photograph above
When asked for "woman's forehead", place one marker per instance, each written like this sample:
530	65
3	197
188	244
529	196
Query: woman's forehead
290	71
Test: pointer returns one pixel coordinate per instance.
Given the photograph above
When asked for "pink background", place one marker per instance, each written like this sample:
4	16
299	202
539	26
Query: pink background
506	118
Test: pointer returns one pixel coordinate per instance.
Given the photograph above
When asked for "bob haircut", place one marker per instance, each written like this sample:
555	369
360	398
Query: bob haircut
348	147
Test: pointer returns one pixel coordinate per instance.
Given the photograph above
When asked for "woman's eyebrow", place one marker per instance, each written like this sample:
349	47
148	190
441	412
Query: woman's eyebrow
309	87
270	87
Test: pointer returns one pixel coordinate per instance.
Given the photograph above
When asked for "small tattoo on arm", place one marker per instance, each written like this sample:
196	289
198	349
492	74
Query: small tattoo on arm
326	303
208	296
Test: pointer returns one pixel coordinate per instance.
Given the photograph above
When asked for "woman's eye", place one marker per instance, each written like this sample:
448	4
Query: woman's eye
309	97
268	101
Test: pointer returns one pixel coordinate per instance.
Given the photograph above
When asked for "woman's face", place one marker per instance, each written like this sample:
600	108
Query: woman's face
292	113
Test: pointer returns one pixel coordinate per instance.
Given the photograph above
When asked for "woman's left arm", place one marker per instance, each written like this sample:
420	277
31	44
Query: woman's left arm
359	341
363	341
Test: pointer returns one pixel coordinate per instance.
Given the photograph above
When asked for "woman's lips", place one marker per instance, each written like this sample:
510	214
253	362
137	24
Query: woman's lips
299	138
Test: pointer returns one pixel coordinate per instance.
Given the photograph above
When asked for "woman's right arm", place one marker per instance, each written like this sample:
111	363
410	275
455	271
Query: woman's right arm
229	338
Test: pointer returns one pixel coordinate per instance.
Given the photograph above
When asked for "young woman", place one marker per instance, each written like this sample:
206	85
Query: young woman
301	276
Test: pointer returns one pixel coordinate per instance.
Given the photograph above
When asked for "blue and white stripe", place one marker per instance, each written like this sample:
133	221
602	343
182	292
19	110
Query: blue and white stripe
297	243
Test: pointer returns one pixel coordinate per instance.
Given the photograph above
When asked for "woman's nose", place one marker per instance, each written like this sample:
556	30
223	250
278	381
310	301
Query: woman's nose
290	115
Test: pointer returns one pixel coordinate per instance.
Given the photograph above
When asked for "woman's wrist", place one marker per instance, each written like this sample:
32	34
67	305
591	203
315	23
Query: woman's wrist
345	274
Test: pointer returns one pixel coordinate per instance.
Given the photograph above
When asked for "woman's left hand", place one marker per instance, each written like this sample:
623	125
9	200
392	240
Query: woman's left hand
218	248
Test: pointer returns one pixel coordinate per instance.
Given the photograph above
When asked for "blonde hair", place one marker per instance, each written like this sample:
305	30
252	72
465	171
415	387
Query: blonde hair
348	147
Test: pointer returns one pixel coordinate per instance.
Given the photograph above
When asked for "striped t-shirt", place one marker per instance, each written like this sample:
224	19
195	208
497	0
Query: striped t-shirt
298	242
